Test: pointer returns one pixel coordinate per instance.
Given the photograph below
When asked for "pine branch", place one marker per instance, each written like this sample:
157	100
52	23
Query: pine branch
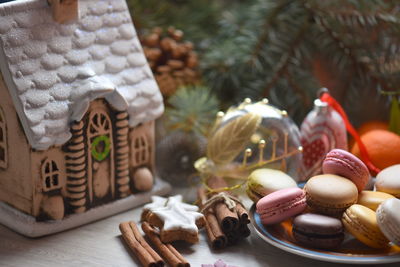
192	109
354	14
198	19
285	59
299	91
348	51
263	50
263	38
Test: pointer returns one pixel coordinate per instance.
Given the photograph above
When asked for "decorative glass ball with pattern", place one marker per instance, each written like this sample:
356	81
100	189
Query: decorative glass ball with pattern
254	135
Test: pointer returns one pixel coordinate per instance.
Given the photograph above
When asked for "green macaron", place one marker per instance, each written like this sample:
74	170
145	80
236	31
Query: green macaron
262	182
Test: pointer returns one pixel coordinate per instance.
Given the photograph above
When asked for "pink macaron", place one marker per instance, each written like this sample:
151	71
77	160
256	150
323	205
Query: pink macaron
345	164
281	205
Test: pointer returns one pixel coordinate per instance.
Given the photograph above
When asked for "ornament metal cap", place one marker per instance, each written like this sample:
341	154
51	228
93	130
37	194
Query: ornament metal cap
320	107
319	103
321	91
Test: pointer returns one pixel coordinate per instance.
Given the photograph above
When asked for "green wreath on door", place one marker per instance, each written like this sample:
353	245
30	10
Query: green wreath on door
103	154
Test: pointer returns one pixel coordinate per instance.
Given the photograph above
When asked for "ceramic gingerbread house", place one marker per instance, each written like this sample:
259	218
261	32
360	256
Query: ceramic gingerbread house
77	108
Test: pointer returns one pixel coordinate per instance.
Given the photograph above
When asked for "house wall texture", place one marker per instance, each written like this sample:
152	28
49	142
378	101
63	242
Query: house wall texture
40	197
142	156
16	182
145	130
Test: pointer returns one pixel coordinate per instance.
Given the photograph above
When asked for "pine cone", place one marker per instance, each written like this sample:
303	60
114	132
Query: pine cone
173	61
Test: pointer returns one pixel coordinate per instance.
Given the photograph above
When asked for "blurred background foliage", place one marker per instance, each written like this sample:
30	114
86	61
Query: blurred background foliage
287	50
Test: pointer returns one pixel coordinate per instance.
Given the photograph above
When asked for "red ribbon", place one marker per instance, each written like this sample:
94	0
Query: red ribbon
326	97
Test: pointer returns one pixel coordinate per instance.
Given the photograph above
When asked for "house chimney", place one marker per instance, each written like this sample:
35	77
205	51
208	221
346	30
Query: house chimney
64	10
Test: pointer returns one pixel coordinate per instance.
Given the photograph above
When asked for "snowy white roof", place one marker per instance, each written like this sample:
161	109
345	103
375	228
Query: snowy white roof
54	70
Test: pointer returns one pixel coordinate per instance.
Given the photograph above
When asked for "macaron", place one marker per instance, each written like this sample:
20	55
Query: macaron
281	205
330	194
372	199
361	222
388	180
388	218
345	164
318	231
262	182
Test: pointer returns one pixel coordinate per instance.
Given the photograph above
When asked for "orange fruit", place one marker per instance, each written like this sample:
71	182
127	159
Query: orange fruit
368	126
383	147
372	125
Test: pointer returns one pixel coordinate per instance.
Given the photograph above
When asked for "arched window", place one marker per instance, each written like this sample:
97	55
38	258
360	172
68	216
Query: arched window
3	141
50	175
140	150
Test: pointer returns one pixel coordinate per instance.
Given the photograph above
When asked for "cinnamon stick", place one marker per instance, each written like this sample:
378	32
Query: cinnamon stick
170	254
146	255
233	223
233	237
242	214
227	219
215	235
244	231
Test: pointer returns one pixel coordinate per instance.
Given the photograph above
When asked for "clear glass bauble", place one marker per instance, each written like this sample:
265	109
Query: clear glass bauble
276	141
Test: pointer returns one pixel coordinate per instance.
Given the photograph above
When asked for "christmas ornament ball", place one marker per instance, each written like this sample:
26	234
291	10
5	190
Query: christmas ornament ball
175	156
275	141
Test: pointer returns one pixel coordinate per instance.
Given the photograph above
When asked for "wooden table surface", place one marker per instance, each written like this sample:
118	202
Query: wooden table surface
100	244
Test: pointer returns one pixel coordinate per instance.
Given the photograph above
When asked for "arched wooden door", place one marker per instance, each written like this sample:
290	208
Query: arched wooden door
101	157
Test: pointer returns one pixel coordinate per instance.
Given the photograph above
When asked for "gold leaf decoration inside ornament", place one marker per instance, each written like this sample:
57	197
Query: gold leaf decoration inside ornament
229	140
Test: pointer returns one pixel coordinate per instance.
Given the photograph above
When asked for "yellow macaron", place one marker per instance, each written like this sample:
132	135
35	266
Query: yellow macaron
372	199
361	222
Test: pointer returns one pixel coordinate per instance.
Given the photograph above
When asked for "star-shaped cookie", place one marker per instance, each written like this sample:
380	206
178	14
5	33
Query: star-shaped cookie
175	219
